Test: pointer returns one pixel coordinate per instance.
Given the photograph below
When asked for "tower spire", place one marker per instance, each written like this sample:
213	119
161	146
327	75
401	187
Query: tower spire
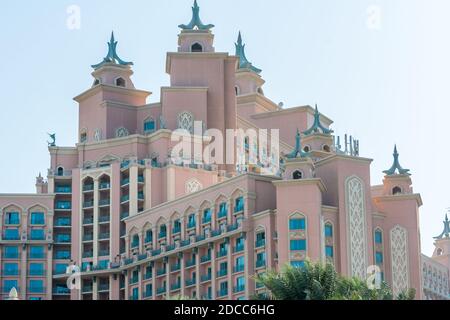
298	151
317	125
396	167
446	232
243	61
112	56
196	22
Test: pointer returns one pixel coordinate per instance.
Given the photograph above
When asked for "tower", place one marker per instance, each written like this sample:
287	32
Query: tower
318	139
442	245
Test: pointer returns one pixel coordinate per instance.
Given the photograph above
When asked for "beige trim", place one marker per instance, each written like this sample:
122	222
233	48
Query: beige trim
401	197
259	99
300	182
104	87
196	55
306	108
342	157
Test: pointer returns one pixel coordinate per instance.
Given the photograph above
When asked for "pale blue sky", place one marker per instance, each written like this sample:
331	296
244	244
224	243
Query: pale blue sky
385	86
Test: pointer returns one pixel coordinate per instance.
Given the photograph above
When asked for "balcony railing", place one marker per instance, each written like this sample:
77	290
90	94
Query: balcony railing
175	286
185	243
260	243
239	268
104	236
156	252
206	277
216	233
88	204
222	273
161	272
222	214
148	293
205	258
103	287
170	247
176	230
233	227
222	293
239	288
134	279
103	253
239	248
260	263
63	205
63	222
61	291
142	257
88	187
104	202
200	237
222	253
190	282
175	267
190	263
128	261
88	254
161	290
63	189
148	275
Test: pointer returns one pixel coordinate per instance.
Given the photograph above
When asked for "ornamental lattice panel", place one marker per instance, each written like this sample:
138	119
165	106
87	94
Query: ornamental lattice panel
399	259
356	219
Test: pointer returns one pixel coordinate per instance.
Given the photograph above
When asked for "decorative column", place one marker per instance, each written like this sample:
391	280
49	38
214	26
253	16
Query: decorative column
249	270
23	265
148	188
50	223
213	272
230	269
170	183
127	284
182	268
141	242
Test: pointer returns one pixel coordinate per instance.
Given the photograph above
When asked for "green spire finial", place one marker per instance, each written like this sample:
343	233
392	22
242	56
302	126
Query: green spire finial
317	125
196	21
396	167
298	151
446	232
112	56
243	61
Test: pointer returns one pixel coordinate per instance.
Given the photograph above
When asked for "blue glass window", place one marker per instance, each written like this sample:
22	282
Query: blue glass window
11	269
176	226
135	241
378	257
191	221
37	218
378	237
36	286
148	236
223	210
84	266
135	293
223	286
12	218
11	252
103	264
61	268
239	205
37	234
12	234
37	252
62	254
9	284
149	126
240	282
36	269
297	224
148	290
328	230
240	263
329	251
207	215
298	245
298	264
163	231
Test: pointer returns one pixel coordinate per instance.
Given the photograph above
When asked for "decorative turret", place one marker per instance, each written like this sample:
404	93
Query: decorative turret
446	233
298	151
396	168
317	126
112	57
243	61
196	23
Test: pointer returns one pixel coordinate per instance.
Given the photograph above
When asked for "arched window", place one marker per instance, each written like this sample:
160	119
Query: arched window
149	125
396	190
326	148
186	121
135	241
121	132
60	171
162	231
196	47
237	90
297	175
96	82
120	82
148	236
439	252
307	149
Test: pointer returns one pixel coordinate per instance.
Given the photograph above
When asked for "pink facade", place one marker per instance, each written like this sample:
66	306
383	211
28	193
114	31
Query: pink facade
142	225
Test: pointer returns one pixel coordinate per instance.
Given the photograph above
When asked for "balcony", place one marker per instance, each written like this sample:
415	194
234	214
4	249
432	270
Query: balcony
170	247
239	248
128	261
205	258
103	287
88	237
63	205
190	282
88	187
239	268
190	263
148	275
160	272
185	243
222	214
148	293
222	273
216	233
37	235
156	252
125	182
205	277
88	221
260	263
176	230
125	198
104	236
233	227
103	253
160	291
162	235
63	189
63	222
260	243
87	289
175	286
142	257
104	202
88	204
104	219
124	215
222	253
191	225
134	279
104	186
200	238
240	288
61	291
175	267
60	173
62	255
222	293
88	254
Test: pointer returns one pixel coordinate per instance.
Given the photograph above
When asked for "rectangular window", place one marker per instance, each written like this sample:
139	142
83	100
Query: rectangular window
239	206
37	252
240	282
36	286
11	269
297	224
298	245
149	126
223	211
207	216
9	284
61	268
378	257
191	222
37	234
12	218
37	218
328	231
329	251
36	269
11	252
12	234
298	264
223	286
378	237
